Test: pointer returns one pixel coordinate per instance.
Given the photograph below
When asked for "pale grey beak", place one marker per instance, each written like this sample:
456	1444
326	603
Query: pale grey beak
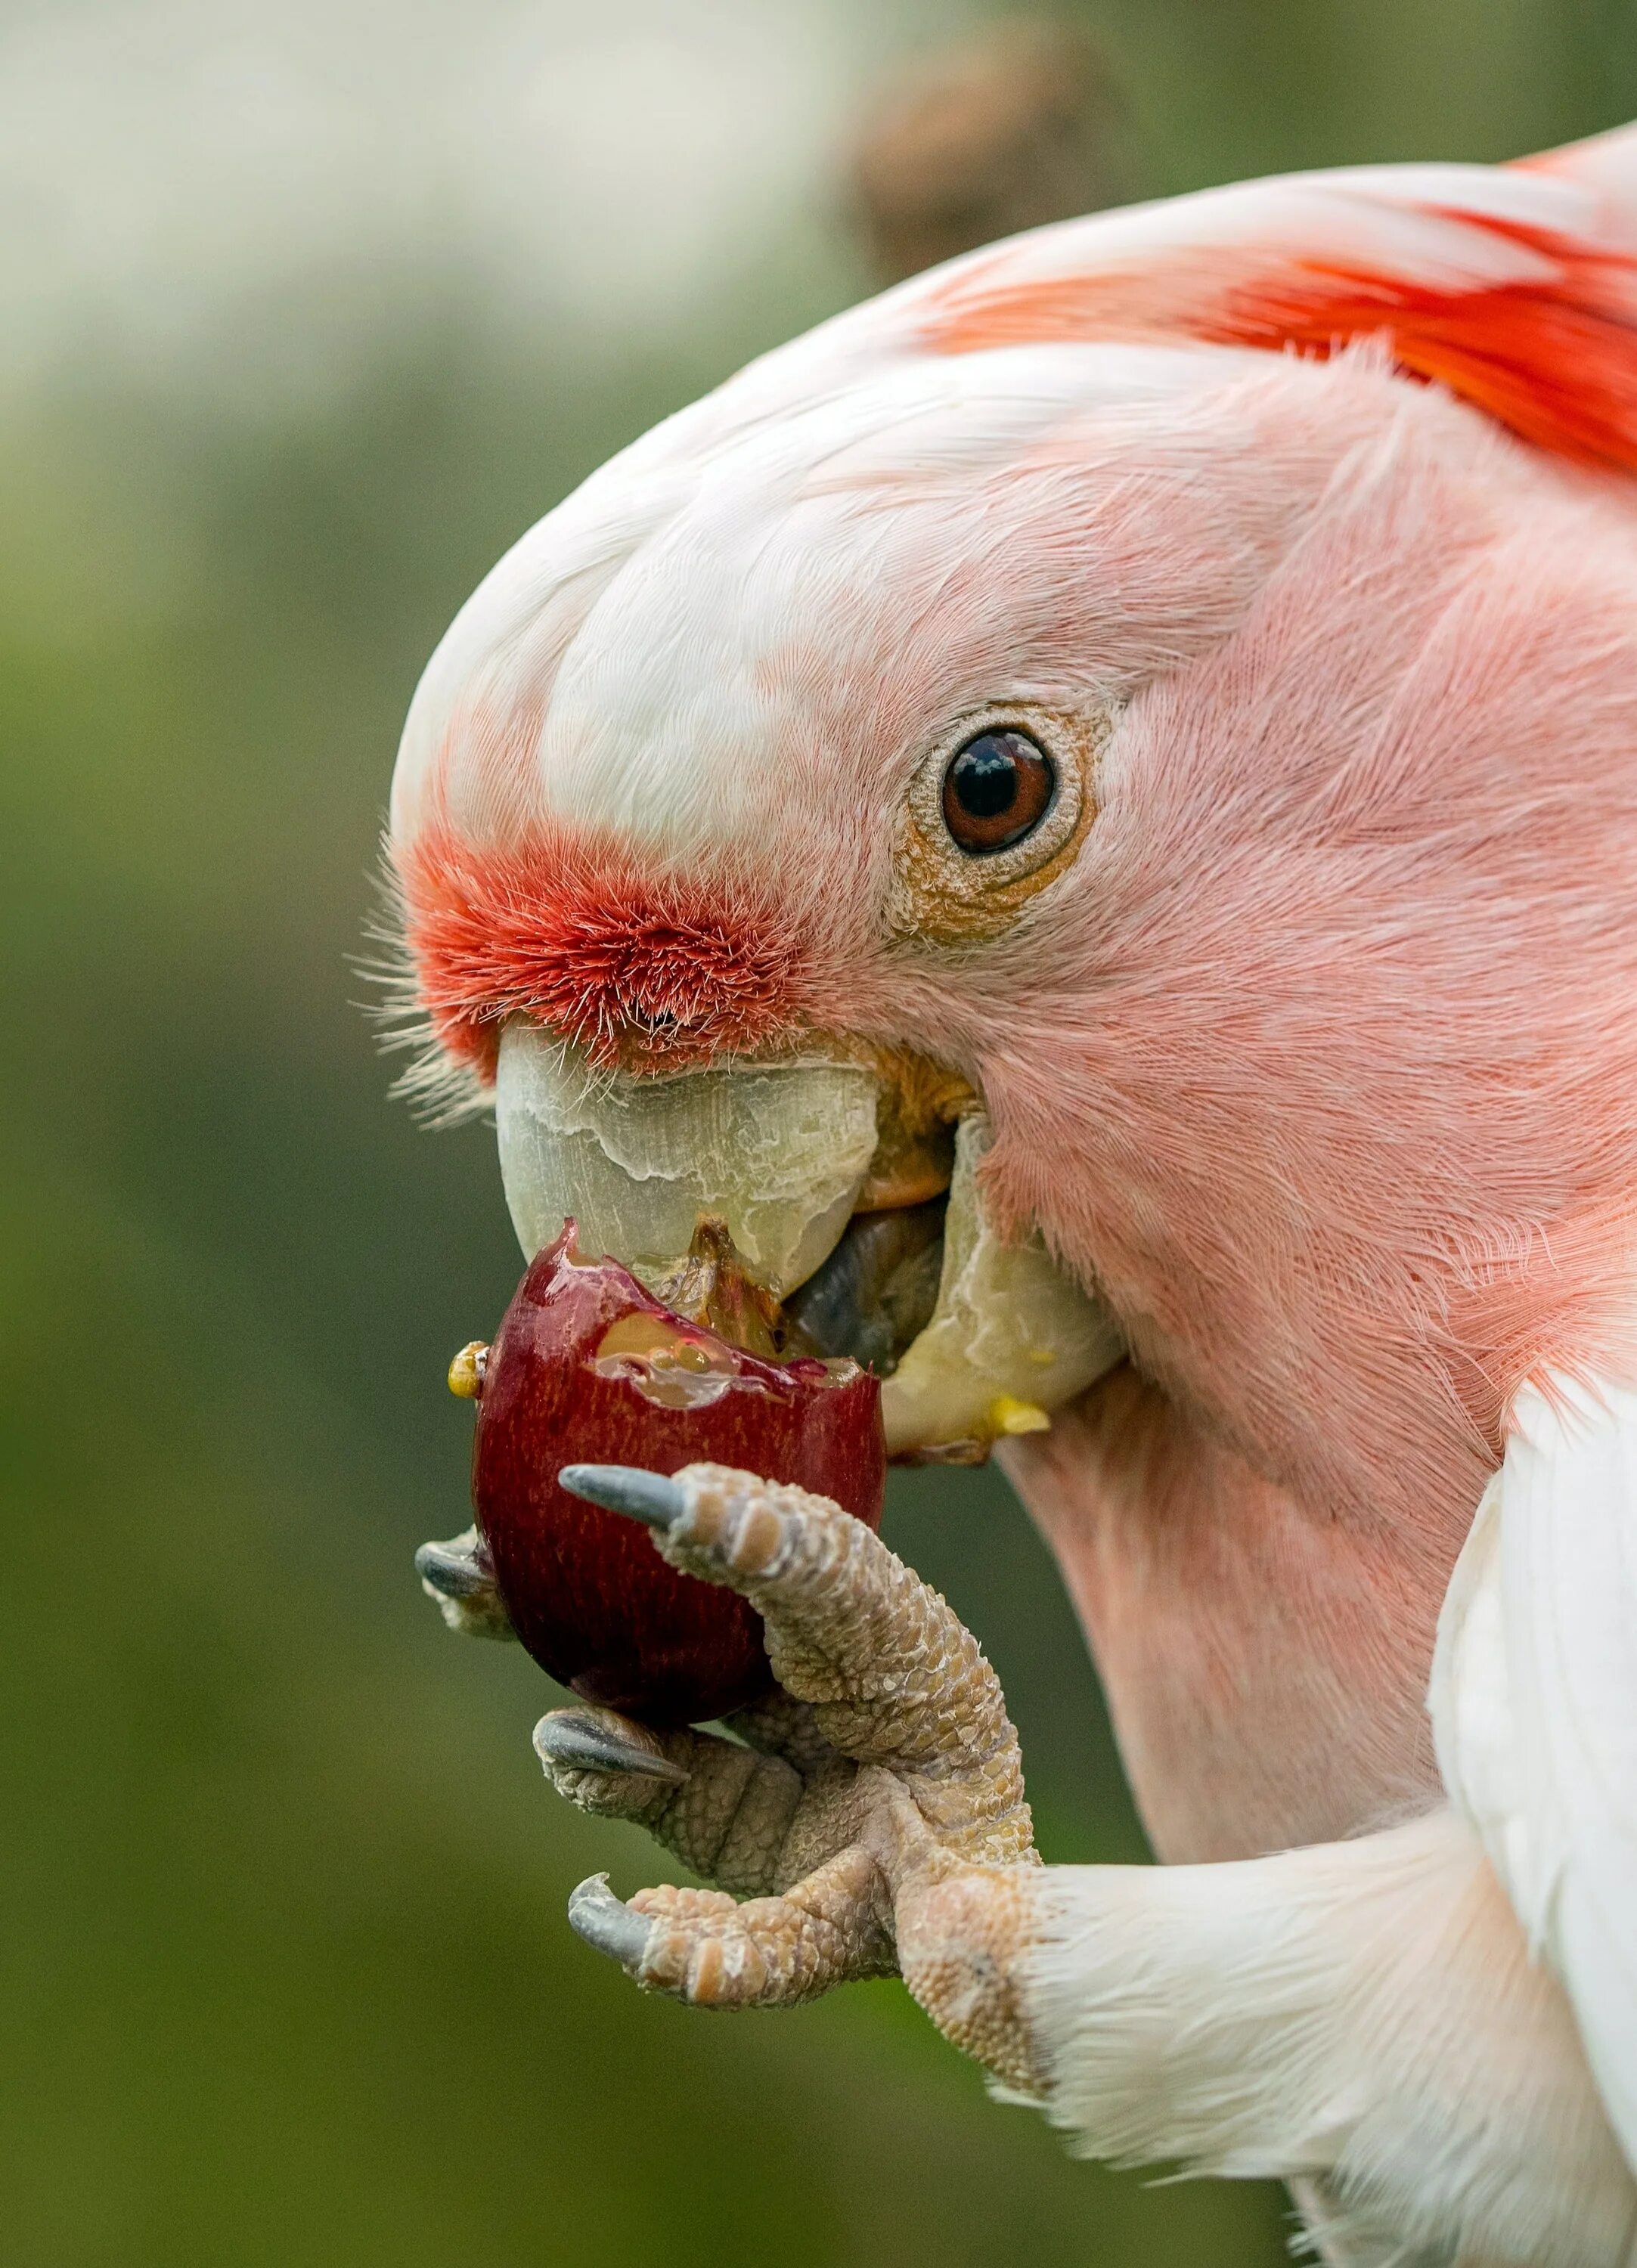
984	1339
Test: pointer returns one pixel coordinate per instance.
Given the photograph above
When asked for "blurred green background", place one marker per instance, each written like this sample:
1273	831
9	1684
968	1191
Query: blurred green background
310	310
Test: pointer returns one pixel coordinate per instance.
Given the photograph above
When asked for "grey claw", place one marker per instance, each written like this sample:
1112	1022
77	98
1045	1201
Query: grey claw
606	1922
455	1570
459	1575
582	1744
647	1496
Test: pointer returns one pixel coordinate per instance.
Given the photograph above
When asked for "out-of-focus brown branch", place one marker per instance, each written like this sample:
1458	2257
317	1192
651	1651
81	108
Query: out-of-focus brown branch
1019	125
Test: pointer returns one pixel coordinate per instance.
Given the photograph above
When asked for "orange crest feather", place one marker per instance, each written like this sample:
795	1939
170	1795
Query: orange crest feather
1552	357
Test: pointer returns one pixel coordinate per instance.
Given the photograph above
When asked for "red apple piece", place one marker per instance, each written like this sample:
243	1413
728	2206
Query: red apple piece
588	1367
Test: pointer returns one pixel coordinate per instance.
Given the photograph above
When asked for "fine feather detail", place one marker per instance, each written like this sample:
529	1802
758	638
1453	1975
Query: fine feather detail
1534	1700
1529	318
442	1087
1553	359
1362	2013
573	933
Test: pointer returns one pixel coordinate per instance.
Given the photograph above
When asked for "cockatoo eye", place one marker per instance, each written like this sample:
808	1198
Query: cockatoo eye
996	808
997	789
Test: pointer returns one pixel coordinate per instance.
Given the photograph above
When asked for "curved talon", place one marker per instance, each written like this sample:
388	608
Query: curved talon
459	1576
452	1570
607	1923
566	1739
648	1496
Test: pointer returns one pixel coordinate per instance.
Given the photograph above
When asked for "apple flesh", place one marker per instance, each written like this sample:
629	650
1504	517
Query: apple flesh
589	1367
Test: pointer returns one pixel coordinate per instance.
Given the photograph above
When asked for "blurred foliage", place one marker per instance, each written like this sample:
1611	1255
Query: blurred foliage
287	1977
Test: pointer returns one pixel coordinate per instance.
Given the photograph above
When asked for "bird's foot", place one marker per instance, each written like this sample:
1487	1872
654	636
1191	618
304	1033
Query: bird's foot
870	1814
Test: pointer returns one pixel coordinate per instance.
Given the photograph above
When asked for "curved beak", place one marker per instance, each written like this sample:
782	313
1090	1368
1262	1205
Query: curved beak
806	1206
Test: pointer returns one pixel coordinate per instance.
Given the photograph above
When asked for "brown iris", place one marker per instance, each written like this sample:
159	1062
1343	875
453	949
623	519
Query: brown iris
996	790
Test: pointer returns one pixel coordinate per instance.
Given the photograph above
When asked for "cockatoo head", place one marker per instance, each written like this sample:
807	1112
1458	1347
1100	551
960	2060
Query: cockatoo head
1028	700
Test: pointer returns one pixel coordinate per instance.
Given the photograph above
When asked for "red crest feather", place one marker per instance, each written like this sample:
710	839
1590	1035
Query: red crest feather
1553	355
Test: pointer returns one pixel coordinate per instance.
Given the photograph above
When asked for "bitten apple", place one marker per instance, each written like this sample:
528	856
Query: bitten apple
589	1367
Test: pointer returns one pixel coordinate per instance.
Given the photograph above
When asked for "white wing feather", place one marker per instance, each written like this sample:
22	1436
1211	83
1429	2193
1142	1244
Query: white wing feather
1534	1702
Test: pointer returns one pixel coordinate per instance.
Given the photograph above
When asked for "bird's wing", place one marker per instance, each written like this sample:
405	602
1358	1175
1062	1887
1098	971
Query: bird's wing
1514	286
1534	1704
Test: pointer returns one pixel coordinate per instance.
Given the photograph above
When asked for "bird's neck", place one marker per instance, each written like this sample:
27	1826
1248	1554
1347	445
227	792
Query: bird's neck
1266	1665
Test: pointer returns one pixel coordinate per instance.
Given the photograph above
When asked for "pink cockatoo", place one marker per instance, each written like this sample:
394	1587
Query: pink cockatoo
1158	695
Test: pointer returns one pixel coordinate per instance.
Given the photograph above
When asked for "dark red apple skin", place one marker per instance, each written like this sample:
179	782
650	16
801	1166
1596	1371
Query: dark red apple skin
588	1594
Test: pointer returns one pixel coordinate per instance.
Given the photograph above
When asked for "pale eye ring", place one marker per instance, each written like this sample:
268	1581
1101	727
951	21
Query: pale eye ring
995	810
997	789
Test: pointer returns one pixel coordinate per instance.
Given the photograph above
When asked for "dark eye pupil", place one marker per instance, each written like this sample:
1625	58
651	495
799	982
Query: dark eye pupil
996	790
985	778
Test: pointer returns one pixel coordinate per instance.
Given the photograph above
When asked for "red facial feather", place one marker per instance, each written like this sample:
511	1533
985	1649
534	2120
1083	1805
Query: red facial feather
570	931
1552	357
